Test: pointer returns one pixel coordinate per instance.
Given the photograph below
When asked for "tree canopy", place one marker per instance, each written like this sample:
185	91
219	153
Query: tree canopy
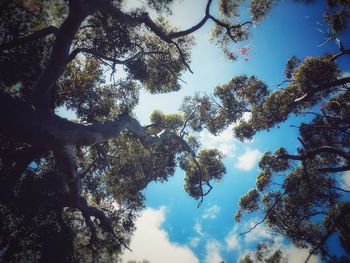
71	189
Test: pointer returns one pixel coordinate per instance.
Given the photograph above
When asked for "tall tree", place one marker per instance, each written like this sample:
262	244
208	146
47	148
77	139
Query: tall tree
308	205
70	190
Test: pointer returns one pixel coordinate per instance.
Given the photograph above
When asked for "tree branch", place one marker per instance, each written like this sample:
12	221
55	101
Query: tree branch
334	169
95	53
312	153
195	27
338	219
324	87
14	164
340	189
181	133
269	211
342	53
42	87
34	36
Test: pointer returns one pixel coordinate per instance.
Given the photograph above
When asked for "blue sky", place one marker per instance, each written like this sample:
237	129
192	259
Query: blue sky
172	228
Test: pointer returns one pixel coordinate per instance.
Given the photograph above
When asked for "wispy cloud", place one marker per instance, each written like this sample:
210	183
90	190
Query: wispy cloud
259	233
224	141
211	212
152	243
248	159
213	248
198	229
232	241
236	242
194	241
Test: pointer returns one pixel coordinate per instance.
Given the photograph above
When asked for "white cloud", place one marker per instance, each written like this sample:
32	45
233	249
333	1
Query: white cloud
247	116
257	234
248	160
296	255
290	252
198	229
194	241
346	180
224	141
213	252
152	243
211	212
232	241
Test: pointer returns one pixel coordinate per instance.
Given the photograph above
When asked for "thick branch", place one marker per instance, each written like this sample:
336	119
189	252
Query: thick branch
34	36
195	27
42	87
14	164
312	153
334	169
342	53
324	87
43	128
66	167
145	19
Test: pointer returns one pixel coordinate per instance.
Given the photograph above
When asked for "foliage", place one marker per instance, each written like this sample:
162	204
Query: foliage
71	189
265	252
295	193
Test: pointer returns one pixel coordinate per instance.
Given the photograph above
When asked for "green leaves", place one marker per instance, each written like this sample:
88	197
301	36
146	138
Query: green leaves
315	72
259	8
274	162
209	167
161	121
249	201
229	8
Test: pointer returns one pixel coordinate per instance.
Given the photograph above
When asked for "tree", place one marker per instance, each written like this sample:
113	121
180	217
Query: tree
299	195
70	190
264	253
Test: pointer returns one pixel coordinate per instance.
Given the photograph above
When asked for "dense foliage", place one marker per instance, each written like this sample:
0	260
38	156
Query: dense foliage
70	190
299	196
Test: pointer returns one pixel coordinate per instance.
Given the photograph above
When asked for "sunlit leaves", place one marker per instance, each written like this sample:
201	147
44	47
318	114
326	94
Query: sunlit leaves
249	201
259	9
209	167
229	8
263	179
161	121
274	162
82	89
292	63
315	71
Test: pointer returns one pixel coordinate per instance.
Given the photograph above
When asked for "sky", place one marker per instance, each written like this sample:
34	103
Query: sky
171	228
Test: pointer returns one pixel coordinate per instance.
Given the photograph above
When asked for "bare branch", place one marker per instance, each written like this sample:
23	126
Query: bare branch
229	28
181	134
282	83
196	27
323	240
340	189
269	211
342	53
